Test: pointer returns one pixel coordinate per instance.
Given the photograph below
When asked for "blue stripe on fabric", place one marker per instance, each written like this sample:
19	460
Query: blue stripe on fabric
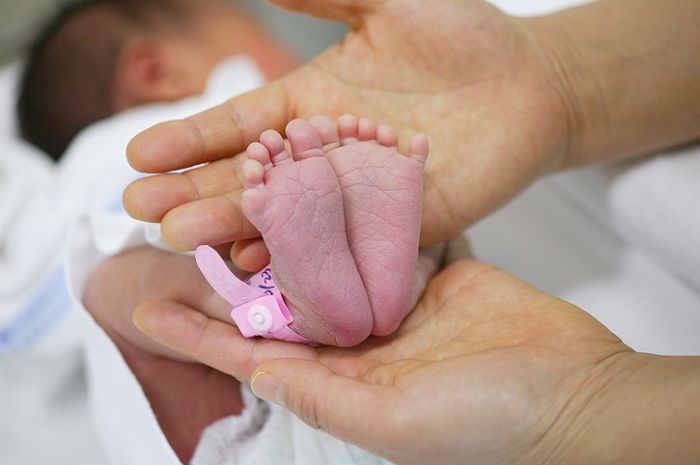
48	305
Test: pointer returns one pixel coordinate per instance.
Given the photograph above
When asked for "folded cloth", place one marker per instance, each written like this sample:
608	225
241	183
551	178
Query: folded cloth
122	415
30	231
266	434
42	390
653	203
35	311
618	241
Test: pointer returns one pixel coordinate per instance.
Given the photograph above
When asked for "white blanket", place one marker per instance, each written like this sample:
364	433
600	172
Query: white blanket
42	391
654	203
619	241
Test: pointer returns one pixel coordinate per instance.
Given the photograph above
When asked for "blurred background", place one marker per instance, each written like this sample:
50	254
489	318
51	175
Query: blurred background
19	20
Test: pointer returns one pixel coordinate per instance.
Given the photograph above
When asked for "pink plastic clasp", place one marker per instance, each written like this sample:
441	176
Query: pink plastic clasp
258	307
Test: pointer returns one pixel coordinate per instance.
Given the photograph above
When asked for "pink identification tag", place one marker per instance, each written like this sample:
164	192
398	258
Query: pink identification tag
258	306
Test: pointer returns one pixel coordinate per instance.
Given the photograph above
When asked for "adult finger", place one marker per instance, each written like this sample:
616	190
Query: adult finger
212	342
250	255
347	408
213	221
343	10
150	198
219	132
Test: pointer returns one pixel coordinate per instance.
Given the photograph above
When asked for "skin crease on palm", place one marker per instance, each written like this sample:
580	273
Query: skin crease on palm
416	81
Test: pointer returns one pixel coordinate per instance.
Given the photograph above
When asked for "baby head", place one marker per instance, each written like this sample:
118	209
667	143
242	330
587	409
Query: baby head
98	57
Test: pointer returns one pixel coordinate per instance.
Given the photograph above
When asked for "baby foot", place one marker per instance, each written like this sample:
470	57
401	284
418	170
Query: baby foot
297	205
378	216
382	198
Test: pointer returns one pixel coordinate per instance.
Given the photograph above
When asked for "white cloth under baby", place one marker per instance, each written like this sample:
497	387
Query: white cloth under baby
33	227
654	203
43	413
269	435
619	241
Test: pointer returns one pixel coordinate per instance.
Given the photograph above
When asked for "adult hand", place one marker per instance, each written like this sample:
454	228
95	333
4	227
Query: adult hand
472	78
186	396
485	370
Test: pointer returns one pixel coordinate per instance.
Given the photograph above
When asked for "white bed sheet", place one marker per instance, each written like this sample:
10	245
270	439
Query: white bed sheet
571	250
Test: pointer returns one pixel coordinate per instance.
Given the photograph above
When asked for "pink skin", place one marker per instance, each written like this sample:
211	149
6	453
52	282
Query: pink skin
341	219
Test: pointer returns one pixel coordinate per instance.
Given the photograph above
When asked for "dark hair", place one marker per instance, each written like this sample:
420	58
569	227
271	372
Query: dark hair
68	80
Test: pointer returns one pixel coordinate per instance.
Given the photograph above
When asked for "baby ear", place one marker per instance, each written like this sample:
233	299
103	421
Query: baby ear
147	71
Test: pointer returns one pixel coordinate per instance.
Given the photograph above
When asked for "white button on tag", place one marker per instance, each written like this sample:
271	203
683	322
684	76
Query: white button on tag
259	318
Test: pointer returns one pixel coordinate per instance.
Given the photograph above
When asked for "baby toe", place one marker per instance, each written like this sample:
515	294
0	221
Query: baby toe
304	140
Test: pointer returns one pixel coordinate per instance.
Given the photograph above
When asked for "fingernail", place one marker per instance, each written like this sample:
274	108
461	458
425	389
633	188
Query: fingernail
139	321
266	387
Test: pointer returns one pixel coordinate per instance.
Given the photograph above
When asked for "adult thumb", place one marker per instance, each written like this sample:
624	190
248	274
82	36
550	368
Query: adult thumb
342	10
349	409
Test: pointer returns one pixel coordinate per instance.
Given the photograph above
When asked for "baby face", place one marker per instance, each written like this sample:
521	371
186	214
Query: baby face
218	32
182	59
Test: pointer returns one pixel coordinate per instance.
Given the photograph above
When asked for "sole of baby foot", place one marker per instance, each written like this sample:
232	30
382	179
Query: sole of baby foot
295	201
383	197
